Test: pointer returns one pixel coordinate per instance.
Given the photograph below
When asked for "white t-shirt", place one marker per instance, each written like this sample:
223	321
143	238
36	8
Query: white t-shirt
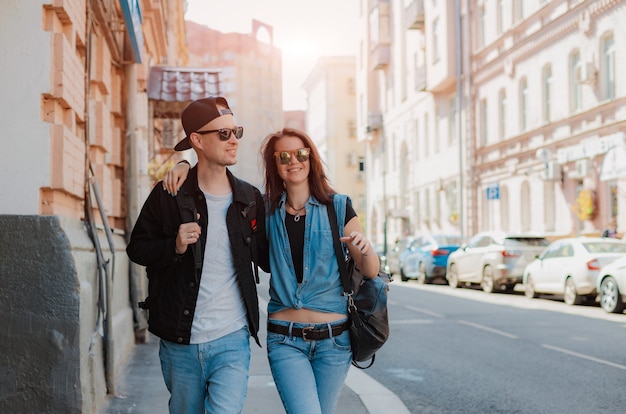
220	308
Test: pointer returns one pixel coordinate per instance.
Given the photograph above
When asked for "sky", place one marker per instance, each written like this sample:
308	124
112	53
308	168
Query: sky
304	30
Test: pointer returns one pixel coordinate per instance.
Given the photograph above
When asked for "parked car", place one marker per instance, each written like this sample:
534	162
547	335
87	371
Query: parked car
393	254
494	260
611	286
426	257
570	267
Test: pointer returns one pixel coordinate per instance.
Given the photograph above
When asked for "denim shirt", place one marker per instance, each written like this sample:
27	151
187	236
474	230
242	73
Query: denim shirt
321	288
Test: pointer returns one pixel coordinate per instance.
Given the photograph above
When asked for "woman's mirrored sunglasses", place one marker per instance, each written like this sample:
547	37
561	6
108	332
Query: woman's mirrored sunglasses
284	157
224	133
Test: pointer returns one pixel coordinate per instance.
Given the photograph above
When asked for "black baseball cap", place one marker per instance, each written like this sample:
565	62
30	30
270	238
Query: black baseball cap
199	113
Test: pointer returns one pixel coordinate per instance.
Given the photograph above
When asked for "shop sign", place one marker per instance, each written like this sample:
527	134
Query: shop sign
589	148
493	191
614	164
133	20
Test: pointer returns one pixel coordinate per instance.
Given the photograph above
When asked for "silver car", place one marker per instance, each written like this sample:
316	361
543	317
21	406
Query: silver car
570	267
611	286
495	260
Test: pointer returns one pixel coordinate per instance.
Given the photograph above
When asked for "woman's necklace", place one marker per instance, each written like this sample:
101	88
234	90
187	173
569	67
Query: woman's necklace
296	218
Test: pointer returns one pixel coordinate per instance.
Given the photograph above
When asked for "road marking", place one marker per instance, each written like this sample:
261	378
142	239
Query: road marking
488	329
587	357
410	321
426	311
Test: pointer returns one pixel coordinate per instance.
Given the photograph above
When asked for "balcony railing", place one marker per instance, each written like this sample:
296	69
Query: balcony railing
380	56
414	15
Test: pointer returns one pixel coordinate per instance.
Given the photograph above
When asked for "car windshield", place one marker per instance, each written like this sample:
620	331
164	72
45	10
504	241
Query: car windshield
603	247
526	241
448	240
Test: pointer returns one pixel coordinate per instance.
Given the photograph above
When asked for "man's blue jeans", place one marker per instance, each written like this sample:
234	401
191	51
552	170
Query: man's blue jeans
211	376
309	375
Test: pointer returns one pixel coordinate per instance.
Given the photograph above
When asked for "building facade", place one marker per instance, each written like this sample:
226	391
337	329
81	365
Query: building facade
250	78
77	138
492	115
331	123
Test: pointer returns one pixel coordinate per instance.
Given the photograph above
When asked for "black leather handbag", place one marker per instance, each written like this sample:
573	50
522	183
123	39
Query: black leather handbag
367	303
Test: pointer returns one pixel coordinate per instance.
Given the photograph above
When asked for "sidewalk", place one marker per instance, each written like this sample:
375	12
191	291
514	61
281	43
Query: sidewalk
141	389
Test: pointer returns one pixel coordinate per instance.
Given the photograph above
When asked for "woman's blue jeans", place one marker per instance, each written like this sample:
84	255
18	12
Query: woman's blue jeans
309	375
211	376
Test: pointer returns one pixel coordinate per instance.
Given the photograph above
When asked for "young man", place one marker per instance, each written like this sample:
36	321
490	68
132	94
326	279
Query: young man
202	300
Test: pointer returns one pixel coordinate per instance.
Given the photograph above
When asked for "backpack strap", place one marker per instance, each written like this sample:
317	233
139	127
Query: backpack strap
249	213
334	228
189	214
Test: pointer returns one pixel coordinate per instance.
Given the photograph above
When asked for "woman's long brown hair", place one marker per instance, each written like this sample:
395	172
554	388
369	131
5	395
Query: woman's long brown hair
274	186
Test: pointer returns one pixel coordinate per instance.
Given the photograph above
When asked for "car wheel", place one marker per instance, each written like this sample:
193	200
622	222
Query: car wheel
421	276
529	289
487	282
610	297
570	296
452	277
403	276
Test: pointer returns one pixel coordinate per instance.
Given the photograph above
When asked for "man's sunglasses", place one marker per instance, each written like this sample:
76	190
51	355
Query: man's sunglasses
224	133
284	157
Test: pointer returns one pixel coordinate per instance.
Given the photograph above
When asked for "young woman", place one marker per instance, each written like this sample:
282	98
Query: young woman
308	343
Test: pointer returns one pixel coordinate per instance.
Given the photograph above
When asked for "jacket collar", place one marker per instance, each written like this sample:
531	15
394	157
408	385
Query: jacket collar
190	187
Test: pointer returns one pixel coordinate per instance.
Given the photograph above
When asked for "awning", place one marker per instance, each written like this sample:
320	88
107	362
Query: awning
614	164
173	88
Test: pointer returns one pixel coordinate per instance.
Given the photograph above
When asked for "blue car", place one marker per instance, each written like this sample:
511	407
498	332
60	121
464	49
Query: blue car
426	257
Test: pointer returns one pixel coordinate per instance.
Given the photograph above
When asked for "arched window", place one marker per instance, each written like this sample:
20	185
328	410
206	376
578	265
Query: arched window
575	90
607	67
525	206
547	92
502	114
504	208
523	105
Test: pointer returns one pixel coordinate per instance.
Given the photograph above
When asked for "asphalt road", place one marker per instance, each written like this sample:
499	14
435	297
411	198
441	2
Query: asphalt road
465	351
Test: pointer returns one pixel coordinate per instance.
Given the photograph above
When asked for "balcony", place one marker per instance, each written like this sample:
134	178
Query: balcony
380	55
414	15
420	78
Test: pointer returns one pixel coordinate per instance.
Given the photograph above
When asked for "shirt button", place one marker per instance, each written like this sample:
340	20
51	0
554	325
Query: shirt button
185	312
179	339
191	284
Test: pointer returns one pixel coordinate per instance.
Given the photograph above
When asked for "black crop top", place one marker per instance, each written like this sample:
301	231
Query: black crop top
295	231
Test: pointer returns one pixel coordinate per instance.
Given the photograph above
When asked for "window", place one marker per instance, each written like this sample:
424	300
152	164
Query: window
426	135
575	89
484	137
547	92
519	9
452	124
436	40
523	104
482	27
608	67
437	134
417	139
500	16
501	114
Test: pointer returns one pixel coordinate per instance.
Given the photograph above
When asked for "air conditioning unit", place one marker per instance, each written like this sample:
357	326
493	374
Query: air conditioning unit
552	171
585	73
581	169
374	121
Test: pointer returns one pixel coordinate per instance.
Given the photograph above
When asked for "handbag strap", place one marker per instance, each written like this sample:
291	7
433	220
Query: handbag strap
334	228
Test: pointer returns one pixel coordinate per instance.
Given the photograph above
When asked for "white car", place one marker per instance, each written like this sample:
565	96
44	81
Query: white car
611	286
570	267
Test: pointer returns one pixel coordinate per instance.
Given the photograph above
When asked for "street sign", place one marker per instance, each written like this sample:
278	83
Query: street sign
493	191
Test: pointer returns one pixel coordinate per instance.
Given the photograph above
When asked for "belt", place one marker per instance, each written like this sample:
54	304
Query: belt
309	333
